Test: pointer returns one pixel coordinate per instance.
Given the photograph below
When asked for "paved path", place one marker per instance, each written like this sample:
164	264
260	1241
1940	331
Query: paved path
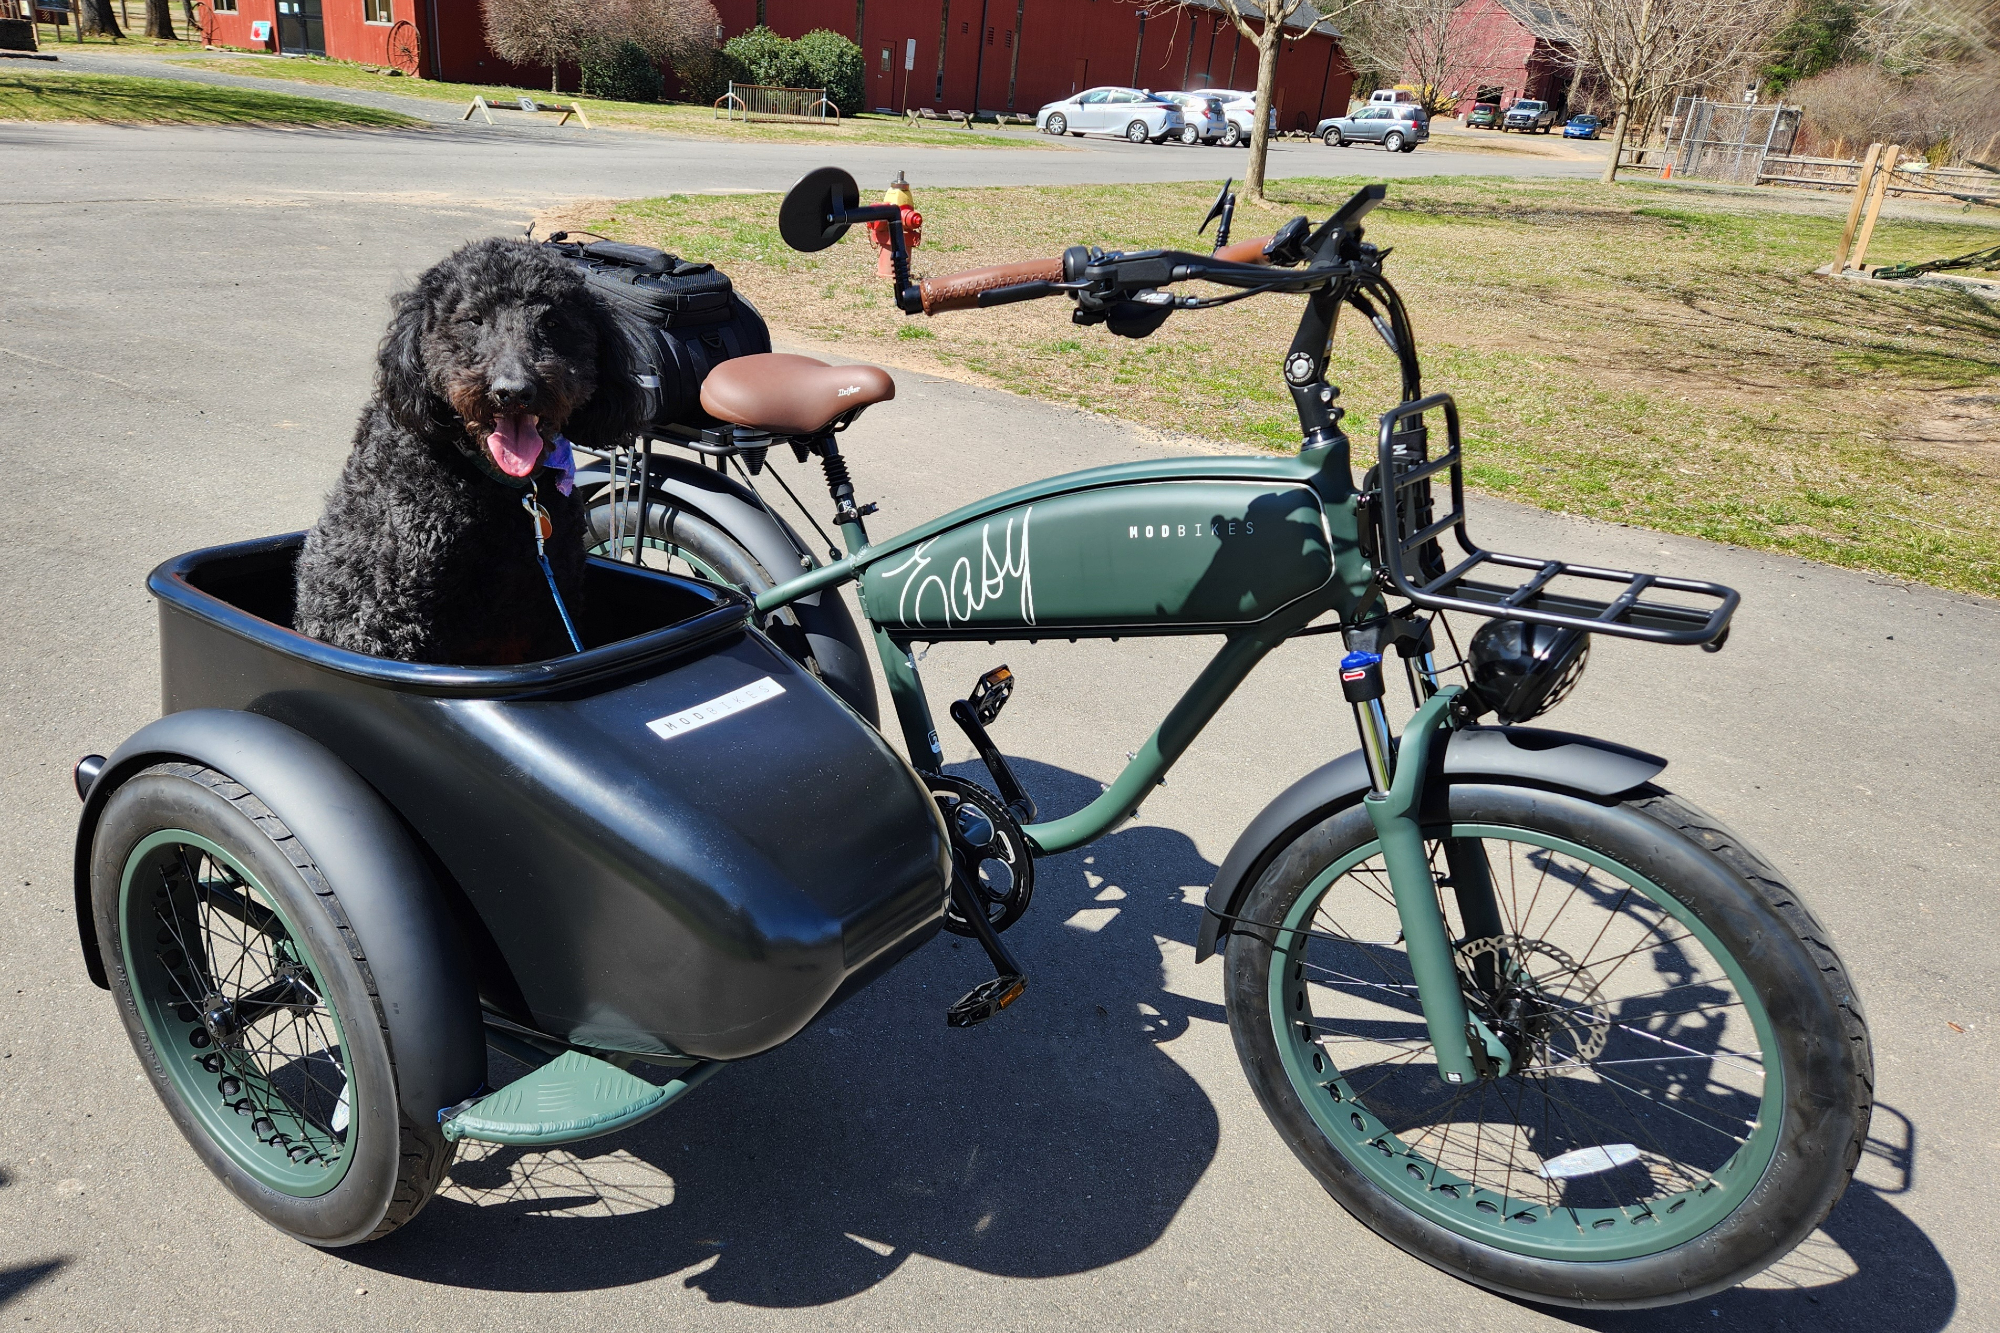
187	320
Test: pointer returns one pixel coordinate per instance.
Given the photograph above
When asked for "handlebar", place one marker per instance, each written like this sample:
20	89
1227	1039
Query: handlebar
1245	252
961	290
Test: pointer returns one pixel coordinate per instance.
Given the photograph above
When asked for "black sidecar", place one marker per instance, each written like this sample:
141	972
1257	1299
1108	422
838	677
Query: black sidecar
323	882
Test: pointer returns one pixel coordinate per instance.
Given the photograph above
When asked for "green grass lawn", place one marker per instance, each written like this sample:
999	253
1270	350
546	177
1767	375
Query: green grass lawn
663	117
114	97
1653	354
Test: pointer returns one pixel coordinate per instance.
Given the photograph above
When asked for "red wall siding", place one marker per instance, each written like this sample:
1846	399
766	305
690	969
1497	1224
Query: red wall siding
1064	46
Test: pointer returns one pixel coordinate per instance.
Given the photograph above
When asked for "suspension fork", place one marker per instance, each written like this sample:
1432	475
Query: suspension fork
1467	1049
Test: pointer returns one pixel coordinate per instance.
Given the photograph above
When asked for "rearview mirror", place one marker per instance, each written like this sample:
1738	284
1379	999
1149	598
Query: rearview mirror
805	219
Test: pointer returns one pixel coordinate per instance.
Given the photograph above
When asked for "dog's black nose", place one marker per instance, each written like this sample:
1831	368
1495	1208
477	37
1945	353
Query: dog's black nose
512	393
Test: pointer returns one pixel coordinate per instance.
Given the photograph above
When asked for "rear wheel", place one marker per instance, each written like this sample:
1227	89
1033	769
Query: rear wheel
1137	132
1232	136
1393	141
1691	1077
1190	135
679	541
253	1010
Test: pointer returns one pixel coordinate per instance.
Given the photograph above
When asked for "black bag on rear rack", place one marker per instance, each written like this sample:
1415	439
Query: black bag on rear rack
685	317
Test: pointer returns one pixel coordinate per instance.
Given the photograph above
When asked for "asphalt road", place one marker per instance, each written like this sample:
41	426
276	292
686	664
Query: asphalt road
186	325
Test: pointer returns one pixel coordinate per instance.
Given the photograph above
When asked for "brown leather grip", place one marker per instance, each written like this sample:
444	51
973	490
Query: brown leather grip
1244	252
960	291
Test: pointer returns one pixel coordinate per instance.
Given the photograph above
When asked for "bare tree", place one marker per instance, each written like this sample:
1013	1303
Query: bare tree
543	32
1639	50
1416	41
1264	22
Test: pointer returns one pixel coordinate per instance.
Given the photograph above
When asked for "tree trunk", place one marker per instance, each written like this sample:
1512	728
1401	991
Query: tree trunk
160	20
95	19
555	78
1260	133
1618	124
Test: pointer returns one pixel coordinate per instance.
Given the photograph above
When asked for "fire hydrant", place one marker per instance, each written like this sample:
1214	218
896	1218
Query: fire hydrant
913	225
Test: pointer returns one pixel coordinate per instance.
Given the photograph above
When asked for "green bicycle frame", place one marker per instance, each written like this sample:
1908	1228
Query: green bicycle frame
1253	549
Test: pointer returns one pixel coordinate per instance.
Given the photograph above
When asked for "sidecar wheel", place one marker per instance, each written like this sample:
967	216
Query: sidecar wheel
1689	1080
252	1008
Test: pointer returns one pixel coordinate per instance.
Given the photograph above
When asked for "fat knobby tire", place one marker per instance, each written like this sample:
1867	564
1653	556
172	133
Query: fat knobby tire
422	1154
1822	1041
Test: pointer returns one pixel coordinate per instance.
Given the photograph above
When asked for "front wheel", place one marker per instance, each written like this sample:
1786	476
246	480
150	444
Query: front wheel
1058	124
1333	139
1690	1079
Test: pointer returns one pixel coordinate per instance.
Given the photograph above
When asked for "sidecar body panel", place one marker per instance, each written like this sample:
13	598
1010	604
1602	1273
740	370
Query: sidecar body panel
675	843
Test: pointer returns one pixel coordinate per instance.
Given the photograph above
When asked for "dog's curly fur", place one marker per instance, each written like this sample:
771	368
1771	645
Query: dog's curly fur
423	553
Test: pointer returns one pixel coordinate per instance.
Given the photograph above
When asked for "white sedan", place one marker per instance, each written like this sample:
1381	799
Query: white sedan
1206	122
1130	113
1241	110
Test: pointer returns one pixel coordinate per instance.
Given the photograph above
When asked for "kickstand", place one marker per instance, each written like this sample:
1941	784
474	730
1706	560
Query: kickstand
988	997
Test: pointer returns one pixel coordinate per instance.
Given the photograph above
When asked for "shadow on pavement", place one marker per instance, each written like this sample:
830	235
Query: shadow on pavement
16	1280
1869	1268
1055	1139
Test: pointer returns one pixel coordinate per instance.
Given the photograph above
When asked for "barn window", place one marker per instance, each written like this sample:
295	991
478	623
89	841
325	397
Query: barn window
885	60
225	6
989	36
376	11
964	28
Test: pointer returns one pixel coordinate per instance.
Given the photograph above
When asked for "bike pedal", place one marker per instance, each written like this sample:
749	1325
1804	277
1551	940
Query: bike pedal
985	1000
991	694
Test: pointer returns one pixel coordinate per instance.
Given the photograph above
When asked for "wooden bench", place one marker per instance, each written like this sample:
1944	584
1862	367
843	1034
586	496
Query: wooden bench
524	103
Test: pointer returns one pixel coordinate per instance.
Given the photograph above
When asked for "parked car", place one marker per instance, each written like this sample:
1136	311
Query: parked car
1583	126
1483	116
1529	117
1240	108
1206	121
1130	113
1398	127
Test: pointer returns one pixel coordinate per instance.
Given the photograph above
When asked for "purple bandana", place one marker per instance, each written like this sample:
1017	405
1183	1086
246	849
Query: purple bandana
562	460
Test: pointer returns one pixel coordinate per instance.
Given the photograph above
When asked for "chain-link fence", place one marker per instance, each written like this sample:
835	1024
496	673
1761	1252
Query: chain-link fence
1727	141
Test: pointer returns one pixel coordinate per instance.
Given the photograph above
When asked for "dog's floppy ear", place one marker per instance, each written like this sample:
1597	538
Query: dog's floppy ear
617	409
400	377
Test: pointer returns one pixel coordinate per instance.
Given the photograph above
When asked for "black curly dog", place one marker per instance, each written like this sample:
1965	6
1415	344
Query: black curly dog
424	552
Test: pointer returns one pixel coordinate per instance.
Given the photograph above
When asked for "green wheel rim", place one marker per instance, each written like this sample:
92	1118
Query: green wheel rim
1696	1160
230	996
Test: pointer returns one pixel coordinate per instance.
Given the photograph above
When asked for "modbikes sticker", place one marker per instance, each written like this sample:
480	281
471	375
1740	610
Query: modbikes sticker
724	705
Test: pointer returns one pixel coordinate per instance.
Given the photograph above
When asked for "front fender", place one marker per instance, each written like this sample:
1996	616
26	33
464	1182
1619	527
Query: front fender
1556	759
414	950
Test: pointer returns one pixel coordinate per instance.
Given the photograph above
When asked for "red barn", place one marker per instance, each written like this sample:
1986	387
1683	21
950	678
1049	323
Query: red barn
1016	55
451	38
1508	49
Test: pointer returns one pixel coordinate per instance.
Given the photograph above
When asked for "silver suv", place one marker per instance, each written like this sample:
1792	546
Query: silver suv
1398	127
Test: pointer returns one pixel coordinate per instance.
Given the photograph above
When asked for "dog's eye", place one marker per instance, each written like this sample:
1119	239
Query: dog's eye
465	319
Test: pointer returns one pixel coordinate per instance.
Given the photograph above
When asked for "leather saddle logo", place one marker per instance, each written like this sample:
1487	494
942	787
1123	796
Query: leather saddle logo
852	388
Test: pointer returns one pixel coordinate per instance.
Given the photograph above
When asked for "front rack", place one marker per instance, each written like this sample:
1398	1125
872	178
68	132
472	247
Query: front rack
1410	555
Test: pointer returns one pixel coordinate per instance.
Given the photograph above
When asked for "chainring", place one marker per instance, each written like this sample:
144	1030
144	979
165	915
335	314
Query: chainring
1001	871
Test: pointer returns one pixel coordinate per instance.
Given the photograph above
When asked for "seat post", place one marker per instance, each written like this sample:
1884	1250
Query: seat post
841	487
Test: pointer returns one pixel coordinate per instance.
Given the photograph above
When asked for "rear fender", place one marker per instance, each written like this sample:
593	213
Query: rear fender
733	507
1558	760
385	887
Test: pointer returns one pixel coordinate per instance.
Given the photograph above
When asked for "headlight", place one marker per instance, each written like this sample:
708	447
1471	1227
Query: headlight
1521	671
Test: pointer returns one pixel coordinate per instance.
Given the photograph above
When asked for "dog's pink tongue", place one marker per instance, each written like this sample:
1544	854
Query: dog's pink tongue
515	444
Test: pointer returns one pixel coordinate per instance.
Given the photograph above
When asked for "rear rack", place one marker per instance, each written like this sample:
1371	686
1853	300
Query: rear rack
1407	534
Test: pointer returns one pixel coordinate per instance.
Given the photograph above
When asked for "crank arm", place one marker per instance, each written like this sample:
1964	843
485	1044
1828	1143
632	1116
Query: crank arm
1012	795
988	997
1467	1049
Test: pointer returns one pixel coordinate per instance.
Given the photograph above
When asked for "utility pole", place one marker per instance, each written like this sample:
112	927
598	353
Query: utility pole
1137	50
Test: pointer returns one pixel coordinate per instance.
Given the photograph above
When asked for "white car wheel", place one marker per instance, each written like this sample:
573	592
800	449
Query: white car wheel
1233	135
1058	124
1137	132
1393	141
1332	137
1190	135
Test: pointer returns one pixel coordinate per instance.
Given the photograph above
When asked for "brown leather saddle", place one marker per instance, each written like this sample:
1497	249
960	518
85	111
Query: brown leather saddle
792	396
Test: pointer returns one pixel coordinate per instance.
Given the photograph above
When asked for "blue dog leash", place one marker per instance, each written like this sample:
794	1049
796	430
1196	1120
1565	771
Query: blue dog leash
543	527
